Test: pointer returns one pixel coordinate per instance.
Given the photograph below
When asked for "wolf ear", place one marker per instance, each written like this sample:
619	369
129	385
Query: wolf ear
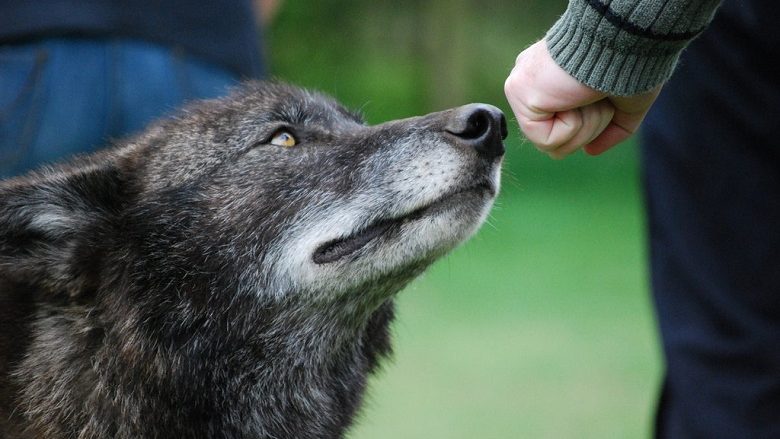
52	224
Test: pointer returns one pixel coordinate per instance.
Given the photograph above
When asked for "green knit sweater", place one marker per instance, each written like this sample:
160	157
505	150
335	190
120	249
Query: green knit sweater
625	47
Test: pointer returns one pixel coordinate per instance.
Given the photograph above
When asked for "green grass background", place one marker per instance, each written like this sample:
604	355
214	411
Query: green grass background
541	325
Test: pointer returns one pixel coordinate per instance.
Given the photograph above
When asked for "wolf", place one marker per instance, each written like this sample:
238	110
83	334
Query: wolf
231	271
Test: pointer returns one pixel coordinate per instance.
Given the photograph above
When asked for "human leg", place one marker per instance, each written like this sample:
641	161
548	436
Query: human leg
711	164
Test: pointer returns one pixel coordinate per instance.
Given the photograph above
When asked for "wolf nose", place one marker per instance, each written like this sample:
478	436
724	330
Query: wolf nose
480	126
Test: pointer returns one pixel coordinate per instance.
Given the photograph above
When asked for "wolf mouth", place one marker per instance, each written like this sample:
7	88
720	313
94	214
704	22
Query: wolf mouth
336	249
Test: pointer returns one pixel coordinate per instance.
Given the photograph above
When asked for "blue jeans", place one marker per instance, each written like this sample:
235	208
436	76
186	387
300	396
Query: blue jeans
63	96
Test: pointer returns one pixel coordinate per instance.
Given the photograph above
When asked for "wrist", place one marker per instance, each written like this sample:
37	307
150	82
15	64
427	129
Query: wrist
608	52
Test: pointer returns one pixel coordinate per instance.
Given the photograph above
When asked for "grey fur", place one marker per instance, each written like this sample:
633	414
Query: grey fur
196	281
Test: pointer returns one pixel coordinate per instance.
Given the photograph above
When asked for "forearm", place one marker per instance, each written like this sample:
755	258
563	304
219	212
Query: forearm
625	47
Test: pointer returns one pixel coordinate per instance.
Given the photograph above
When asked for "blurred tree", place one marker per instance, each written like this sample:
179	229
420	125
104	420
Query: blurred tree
395	58
446	52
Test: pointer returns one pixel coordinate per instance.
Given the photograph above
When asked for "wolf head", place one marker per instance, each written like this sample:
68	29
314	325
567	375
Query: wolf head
229	272
280	190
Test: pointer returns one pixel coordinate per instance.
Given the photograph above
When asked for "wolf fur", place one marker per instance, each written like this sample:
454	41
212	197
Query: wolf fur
199	282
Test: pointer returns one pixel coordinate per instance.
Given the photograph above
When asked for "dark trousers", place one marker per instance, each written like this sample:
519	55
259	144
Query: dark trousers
711	165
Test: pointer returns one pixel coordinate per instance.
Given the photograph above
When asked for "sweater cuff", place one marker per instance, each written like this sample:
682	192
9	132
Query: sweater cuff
613	59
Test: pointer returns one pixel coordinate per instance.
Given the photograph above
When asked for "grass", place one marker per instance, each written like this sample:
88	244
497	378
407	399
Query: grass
540	326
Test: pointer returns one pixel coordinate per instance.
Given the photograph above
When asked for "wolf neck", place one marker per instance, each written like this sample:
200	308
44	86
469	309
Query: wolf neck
272	363
297	332
319	334
319	327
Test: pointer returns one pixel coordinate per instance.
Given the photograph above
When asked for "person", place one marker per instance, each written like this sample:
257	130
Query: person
711	170
75	75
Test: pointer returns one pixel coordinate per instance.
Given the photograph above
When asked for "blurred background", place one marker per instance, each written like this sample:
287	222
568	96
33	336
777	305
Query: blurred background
540	326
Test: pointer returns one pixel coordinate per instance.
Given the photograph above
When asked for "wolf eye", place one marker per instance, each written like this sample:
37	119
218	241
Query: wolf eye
283	138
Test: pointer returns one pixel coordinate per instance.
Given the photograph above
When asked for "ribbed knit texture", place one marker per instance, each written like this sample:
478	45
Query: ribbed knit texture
626	47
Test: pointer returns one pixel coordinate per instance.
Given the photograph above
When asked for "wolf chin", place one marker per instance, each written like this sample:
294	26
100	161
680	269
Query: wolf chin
230	272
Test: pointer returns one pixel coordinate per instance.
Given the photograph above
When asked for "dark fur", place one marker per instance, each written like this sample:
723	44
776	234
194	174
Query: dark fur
134	299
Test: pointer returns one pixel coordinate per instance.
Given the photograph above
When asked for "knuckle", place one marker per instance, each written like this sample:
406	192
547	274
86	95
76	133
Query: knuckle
516	87
510	86
536	103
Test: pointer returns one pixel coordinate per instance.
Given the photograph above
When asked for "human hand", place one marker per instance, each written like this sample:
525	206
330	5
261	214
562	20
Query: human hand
559	114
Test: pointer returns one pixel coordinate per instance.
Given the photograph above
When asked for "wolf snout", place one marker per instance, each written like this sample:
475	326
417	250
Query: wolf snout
479	126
